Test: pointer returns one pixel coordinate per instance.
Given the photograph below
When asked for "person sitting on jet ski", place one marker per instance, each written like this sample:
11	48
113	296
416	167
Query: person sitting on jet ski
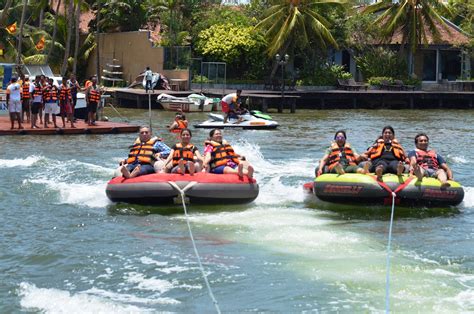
180	123
220	158
229	105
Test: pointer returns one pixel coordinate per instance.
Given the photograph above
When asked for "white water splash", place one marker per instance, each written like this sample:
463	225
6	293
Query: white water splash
61	301
468	197
27	162
458	159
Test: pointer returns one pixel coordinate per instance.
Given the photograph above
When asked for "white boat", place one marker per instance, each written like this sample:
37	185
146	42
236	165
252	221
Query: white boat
249	121
191	103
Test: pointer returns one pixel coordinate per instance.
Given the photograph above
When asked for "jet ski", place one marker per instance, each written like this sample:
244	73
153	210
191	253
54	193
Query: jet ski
247	121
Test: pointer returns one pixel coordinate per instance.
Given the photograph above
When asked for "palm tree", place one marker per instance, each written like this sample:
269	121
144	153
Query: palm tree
20	35
55	30
76	37
70	23
4	15
413	19
288	21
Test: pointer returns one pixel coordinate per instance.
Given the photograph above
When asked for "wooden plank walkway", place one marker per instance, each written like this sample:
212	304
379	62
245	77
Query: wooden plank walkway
102	127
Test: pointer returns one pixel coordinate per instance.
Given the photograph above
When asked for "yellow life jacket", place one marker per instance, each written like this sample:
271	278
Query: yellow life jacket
221	153
336	153
142	152
186	153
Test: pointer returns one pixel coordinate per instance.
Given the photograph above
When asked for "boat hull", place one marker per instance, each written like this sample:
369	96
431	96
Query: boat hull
365	190
155	189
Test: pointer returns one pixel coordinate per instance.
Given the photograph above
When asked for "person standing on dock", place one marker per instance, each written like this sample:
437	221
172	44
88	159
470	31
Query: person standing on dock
65	103
26	99
50	96
73	84
229	104
92	99
36	90
148	79
14	102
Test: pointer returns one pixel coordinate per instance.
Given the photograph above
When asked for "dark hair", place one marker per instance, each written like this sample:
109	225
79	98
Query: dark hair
211	134
419	135
388	127
340	131
239	91
14	79
148	68
185	129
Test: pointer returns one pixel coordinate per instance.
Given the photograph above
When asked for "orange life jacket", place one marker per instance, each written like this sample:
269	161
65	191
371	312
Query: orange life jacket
336	154
186	153
376	150
87	84
50	94
427	159
94	95
182	124
221	153
38	91
26	90
142	151
65	94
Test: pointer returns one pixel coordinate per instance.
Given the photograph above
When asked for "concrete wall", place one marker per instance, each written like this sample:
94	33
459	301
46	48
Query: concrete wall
134	51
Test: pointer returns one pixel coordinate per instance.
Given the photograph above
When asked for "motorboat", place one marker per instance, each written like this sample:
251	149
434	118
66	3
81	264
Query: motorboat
248	120
191	103
200	188
362	189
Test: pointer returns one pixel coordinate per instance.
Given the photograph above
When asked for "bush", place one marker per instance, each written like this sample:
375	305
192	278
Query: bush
377	80
201	79
324	74
379	62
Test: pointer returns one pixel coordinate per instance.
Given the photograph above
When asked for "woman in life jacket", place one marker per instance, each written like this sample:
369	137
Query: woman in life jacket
184	156
180	123
340	158
426	162
219	157
386	154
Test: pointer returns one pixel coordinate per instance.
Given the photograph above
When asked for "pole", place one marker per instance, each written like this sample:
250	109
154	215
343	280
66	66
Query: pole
97	65
149	107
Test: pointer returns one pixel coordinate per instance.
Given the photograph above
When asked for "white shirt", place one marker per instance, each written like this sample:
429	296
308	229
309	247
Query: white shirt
148	75
229	98
14	91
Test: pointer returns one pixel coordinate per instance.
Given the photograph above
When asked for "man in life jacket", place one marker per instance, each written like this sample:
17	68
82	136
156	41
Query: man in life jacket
26	98
425	162
92	99
144	152
340	158
179	123
229	105
50	97
36	91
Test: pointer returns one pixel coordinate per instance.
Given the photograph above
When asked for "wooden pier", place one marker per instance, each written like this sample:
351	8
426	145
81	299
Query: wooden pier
102	127
318	99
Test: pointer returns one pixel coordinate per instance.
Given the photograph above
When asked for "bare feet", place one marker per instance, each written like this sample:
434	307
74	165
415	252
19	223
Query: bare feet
379	173
339	169
240	170
125	172
250	172
181	168
400	168
135	171
367	166
417	172
191	168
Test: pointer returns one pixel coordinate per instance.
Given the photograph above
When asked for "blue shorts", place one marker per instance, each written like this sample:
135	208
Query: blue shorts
220	169
144	169
430	172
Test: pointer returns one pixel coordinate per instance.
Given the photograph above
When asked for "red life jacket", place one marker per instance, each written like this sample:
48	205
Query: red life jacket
427	159
65	94
336	154
94	95
38	91
26	90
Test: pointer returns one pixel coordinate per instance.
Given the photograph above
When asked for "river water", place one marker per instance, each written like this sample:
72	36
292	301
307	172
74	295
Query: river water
66	248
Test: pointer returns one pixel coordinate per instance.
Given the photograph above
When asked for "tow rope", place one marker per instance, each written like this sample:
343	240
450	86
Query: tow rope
183	200
394	196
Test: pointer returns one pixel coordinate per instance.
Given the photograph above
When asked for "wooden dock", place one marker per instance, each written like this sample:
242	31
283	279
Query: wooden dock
102	127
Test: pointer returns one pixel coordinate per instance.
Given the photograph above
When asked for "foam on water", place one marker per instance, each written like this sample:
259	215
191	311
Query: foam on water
152	284
458	159
27	162
61	301
468	197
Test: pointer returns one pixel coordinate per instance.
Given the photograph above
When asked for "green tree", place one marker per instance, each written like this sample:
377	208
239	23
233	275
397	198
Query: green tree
414	19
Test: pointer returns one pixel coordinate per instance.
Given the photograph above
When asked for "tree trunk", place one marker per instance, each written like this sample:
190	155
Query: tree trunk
70	14
275	64
97	47
20	35
55	30
3	17
77	39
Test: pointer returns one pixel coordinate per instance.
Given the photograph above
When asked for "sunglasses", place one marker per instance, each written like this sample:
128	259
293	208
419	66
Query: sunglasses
340	138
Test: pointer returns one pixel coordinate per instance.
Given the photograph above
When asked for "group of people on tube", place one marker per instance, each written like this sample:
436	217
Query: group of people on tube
386	155
149	154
